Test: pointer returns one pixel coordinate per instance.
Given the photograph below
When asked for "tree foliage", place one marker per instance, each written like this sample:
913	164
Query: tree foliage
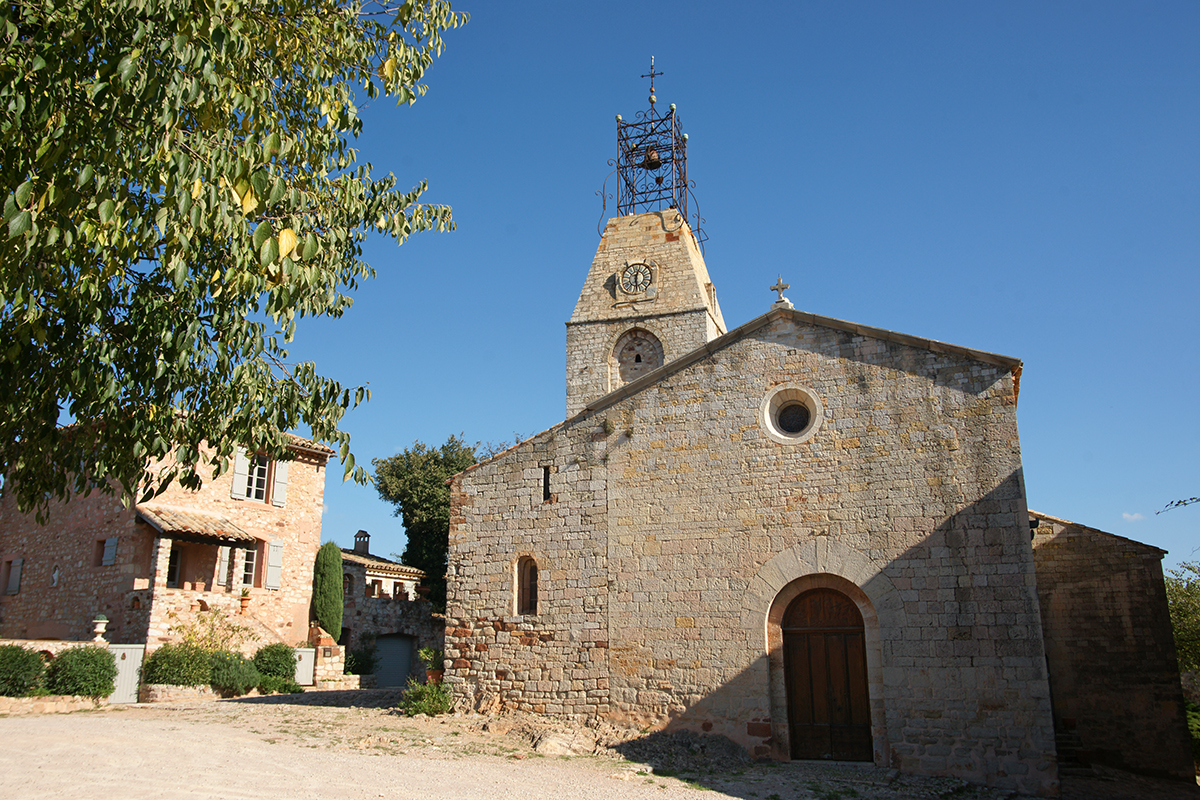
415	482
1179	504
1183	597
179	190
328	602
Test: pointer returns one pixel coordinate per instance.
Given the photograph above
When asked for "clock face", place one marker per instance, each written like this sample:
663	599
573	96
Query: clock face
636	278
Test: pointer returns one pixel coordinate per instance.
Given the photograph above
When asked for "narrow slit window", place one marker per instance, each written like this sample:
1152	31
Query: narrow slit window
527	586
545	484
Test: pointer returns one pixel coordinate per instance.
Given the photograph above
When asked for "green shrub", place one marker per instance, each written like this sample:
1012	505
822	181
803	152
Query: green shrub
276	660
431	657
1193	723
178	665
22	671
327	601
269	684
362	660
426	698
84	671
233	674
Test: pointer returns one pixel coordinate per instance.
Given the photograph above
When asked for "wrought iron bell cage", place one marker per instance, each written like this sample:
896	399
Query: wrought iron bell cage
651	165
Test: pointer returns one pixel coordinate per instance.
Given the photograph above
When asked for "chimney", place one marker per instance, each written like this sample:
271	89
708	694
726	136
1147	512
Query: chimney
362	543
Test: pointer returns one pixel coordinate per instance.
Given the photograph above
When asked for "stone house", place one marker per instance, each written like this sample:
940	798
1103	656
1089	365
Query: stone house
151	566
804	534
383	607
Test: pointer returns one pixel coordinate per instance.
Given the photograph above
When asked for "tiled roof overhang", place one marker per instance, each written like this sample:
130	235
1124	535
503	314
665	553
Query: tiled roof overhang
194	526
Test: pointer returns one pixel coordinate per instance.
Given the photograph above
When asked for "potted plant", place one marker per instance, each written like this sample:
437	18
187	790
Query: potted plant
245	600
433	659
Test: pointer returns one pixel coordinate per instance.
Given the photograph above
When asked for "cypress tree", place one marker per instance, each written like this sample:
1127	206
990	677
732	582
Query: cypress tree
327	589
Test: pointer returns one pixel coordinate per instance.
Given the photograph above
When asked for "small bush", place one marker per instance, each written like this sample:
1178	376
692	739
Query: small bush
362	660
276	660
84	671
431	657
233	674
269	684
22	671
426	698
178	665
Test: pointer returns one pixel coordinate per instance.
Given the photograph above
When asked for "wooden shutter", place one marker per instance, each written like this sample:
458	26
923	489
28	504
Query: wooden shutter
223	566
274	565
241	473
14	576
110	552
279	490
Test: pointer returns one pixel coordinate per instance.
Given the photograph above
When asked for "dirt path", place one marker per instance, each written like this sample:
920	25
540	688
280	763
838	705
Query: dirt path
352	750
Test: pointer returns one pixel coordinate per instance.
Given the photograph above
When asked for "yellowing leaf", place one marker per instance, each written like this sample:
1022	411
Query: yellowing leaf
287	242
389	68
197	187
249	201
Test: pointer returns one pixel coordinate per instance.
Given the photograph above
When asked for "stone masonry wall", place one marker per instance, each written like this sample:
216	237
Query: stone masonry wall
1114	676
680	307
673	528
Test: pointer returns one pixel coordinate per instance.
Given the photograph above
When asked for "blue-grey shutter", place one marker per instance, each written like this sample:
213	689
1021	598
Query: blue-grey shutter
223	566
274	565
279	490
110	552
241	473
14	576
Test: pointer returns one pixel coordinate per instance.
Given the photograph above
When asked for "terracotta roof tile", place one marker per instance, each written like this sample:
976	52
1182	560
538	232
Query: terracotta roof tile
182	523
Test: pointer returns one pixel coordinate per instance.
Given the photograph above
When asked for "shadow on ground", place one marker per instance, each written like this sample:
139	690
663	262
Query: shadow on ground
350	698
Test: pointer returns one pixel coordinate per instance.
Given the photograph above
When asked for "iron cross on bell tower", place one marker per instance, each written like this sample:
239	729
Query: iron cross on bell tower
651	162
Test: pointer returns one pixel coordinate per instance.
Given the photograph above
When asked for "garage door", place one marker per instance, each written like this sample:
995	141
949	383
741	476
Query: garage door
395	654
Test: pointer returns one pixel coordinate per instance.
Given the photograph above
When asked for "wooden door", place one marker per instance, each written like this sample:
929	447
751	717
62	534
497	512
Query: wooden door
825	664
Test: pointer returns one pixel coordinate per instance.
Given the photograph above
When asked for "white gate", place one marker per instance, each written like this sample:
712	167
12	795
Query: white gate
129	669
306	664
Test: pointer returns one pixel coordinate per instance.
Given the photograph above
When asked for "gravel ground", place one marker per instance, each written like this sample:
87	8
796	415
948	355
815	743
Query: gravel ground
350	745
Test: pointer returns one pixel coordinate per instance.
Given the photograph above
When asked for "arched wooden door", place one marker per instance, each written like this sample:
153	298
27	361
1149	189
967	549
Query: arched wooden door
825	662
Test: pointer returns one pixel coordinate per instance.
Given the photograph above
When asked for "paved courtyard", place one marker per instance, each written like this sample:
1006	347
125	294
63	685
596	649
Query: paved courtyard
349	747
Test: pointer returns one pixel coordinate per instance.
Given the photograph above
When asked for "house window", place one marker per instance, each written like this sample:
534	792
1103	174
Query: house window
173	568
250	569
527	586
11	577
258	479
105	552
546	496
346	580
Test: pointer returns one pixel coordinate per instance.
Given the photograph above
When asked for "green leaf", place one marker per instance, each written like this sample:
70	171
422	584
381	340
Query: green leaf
20	224
85	176
261	232
23	193
106	211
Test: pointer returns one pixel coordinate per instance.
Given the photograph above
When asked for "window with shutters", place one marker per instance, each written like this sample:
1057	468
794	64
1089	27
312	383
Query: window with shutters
10	576
527	586
104	554
259	479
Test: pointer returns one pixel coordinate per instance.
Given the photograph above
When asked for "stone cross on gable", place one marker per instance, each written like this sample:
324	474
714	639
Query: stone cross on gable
779	286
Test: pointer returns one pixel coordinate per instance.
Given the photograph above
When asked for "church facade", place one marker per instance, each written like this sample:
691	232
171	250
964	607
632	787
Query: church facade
804	534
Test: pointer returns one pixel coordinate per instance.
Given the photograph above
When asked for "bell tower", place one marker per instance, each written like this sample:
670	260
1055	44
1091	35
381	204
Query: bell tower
647	299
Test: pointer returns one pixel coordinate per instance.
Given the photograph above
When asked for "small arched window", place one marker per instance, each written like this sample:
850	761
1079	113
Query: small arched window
527	586
347	582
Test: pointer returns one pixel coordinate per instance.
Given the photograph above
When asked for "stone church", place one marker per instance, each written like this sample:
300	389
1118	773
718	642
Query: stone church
804	534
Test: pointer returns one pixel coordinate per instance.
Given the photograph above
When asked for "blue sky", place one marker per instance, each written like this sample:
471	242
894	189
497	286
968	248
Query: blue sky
1016	177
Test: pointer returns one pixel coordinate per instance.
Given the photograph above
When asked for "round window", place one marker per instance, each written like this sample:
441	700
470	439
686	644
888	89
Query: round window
791	414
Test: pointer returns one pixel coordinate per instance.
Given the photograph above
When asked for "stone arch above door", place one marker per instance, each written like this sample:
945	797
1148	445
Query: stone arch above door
823	564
